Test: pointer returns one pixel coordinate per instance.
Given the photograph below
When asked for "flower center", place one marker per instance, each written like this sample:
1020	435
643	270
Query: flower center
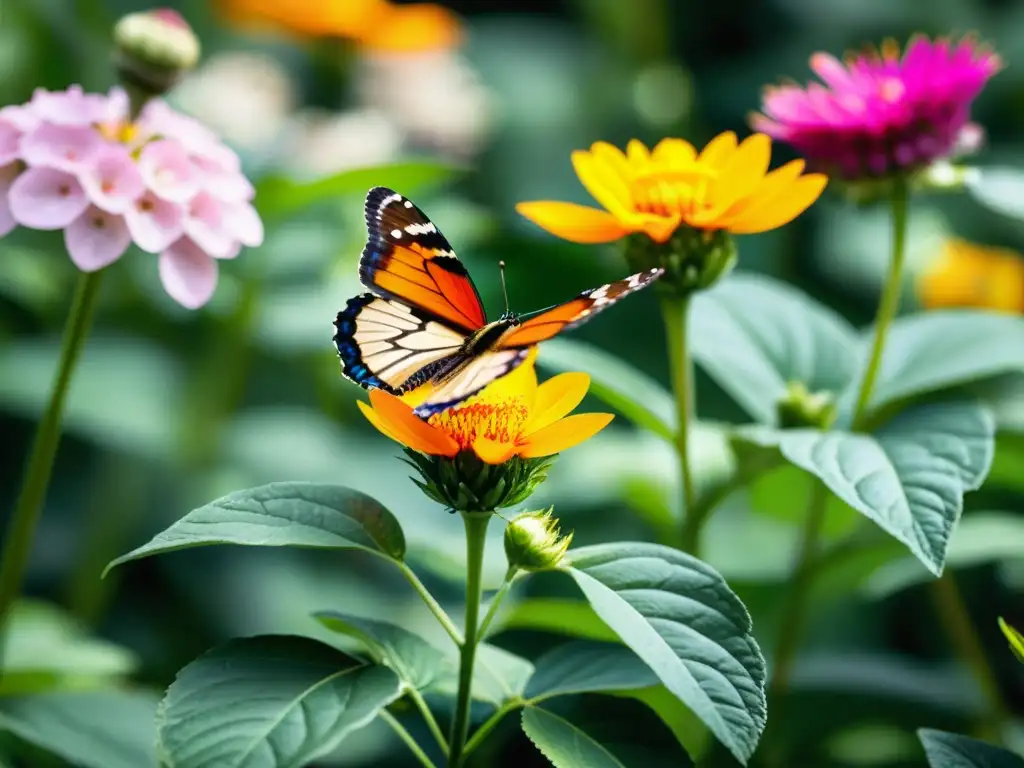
501	422
891	89
122	131
671	191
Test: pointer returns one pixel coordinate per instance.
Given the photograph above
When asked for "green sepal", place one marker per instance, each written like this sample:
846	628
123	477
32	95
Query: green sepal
467	484
693	259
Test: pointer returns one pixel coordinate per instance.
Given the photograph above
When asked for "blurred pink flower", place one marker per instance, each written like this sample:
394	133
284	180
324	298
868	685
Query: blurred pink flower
878	113
73	161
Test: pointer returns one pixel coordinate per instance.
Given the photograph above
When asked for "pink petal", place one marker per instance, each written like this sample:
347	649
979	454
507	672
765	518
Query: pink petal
244	224
112	181
10	138
188	273
21	117
7	177
65	147
206	224
167	170
117	105
96	239
231	186
44	198
154	223
71	107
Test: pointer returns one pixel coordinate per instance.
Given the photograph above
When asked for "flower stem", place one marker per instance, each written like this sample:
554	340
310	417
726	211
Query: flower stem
492	609
890	301
405	736
429	719
489	725
435	607
676	312
22	526
476	534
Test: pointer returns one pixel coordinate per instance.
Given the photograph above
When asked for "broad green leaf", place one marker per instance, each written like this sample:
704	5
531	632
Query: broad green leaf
1000	189
586	667
553	614
917	358
637	396
677	717
784	492
753	335
499	676
284	515
271	701
563	744
909	476
45	647
678	615
92	729
415	660
278	196
951	750
1014	638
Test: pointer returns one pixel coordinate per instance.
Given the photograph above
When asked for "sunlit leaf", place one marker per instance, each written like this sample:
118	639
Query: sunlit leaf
679	616
753	335
415	660
999	189
587	667
1014	637
951	750
558	615
909	476
284	515
93	729
563	744
271	701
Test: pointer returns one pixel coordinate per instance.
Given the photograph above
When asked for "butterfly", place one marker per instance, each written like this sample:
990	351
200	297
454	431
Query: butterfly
424	321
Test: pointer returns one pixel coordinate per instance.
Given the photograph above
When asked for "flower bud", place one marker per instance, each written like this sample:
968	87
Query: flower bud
468	484
533	541
153	49
800	407
693	259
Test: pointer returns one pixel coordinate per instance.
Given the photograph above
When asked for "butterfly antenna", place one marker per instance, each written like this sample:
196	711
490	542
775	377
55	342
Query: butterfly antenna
504	289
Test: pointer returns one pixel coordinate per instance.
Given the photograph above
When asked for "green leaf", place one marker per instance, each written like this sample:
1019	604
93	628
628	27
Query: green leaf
93	729
631	392
45	647
499	676
563	744
917	359
1014	638
415	660
753	334
587	667
951	750
284	515
278	196
681	618
999	189
271	701
558	615
909	476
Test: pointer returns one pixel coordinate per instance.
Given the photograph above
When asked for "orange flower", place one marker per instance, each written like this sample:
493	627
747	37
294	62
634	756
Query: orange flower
377	25
726	186
512	416
969	275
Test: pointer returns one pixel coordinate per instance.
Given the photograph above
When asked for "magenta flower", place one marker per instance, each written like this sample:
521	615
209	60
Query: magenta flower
878	114
73	161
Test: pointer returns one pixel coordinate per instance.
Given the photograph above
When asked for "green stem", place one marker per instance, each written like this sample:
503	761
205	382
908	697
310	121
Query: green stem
492	609
890	301
432	604
429	719
675	312
476	535
489	725
22	526
405	736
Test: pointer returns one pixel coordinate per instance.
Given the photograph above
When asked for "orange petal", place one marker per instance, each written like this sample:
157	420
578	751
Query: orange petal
556	398
782	209
408	428
743	173
661	228
373	418
578	223
570	431
602	181
412	29
492	452
718	150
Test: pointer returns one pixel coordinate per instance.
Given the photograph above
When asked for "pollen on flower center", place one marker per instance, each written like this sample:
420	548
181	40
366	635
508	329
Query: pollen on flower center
891	89
668	193
502	422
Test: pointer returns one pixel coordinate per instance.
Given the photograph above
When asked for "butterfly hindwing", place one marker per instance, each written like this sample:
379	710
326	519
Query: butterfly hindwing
407	259
576	311
472	375
392	346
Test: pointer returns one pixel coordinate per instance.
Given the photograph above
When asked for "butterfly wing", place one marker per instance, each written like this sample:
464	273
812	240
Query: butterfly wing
393	346
408	260
468	377
574	312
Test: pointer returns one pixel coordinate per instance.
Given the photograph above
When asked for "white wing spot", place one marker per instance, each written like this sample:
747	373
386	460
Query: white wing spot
396	233
408	203
421	229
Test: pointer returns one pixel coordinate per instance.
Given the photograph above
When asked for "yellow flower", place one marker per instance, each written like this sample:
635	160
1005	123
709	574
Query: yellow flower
377	25
726	186
512	416
969	275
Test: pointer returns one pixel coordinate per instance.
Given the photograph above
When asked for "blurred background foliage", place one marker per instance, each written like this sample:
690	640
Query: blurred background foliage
171	408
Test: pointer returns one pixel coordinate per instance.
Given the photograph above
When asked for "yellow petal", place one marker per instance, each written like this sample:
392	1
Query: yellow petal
556	398
577	223
570	431
611	156
674	153
783	209
411	28
408	428
772	186
603	183
744	172
718	150
637	154
493	452
373	418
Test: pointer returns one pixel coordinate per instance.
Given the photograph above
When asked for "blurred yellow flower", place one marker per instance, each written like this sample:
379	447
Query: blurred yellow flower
726	186
969	275
513	416
377	25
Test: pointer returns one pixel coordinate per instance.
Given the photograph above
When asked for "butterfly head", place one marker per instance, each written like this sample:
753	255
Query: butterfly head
509	318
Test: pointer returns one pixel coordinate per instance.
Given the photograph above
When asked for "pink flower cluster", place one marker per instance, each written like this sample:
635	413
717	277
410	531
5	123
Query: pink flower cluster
73	161
880	114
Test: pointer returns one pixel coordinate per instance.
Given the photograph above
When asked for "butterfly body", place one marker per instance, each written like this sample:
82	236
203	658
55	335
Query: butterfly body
424	323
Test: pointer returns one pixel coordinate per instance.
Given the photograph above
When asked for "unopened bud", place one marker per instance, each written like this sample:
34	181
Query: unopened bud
533	541
800	407
153	49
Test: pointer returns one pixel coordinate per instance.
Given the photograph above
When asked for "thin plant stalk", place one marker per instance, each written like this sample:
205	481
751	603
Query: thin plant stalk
435	607
496	601
22	526
407	738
